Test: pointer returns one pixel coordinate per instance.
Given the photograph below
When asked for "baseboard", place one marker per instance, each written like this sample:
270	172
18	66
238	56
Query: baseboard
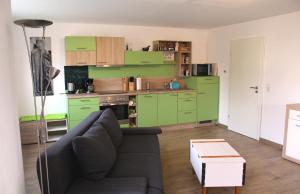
178	127
271	143
222	125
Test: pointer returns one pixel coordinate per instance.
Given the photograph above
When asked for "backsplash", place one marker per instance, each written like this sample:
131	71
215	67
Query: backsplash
167	70
76	75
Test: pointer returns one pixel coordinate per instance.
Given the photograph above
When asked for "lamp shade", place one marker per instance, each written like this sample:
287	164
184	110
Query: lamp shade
33	23
53	72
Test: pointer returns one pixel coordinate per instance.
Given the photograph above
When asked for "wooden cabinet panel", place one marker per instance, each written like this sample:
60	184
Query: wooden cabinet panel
80	58
118	50
110	51
104	51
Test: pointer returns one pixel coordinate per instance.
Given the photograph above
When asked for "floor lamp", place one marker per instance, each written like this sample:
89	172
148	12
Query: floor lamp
52	73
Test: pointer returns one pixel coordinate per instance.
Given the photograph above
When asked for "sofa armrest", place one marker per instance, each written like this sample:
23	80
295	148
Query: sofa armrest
132	185
142	131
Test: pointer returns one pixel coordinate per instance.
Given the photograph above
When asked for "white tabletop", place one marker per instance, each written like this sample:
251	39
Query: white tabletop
215	150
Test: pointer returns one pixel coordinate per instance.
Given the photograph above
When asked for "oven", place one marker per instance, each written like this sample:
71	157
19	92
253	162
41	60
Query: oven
118	104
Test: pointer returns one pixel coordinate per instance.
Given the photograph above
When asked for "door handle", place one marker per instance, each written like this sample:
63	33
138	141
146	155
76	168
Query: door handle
254	87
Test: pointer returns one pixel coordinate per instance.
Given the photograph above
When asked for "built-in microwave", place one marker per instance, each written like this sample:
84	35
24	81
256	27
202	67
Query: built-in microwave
202	70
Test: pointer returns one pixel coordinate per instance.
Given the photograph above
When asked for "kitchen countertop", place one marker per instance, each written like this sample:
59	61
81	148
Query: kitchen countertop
133	93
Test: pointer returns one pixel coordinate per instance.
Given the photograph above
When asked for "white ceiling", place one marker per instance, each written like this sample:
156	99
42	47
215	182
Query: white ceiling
173	13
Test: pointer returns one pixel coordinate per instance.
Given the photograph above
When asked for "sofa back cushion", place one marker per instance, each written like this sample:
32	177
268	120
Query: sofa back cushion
95	153
109	121
62	165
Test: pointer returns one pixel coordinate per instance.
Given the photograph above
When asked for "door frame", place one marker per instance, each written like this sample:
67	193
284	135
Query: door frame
260	84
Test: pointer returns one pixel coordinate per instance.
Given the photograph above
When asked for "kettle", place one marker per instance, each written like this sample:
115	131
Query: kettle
71	88
174	85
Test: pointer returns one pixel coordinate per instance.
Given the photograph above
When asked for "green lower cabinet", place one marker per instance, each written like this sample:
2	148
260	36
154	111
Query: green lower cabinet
73	123
187	107
207	102
124	125
79	109
167	109
187	116
207	96
147	110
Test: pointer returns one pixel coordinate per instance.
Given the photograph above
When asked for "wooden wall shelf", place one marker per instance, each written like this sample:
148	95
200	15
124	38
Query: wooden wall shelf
182	53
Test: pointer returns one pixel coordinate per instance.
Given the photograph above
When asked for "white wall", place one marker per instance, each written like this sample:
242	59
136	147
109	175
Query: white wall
136	36
11	166
281	66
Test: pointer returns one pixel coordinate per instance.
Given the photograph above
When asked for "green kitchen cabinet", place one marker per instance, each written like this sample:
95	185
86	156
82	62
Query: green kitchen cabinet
80	43
207	102
207	96
167	109
147	110
80	108
187	107
144	58
187	116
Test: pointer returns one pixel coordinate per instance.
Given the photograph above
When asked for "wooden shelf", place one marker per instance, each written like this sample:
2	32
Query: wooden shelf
182	52
57	128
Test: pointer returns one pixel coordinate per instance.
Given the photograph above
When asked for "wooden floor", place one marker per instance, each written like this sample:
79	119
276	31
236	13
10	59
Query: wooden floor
267	172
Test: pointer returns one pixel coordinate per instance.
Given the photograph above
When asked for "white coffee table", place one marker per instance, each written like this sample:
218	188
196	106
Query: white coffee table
217	164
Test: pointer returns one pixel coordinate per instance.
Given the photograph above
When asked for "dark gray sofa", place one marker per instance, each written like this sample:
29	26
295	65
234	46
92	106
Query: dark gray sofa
137	169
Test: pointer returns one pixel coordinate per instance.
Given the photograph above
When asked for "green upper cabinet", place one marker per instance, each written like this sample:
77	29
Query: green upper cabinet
144	58
167	109
207	96
147	110
80	43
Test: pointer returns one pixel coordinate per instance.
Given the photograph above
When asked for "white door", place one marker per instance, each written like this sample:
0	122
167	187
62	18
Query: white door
245	70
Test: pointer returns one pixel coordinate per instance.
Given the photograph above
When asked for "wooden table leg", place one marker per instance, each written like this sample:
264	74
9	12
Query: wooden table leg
204	190
237	190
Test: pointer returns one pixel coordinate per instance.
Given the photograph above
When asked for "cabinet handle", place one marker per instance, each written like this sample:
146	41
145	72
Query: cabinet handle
187	113
84	100
208	79
145	62
297	125
81	48
148	96
173	94
82	63
188	100
85	108
201	93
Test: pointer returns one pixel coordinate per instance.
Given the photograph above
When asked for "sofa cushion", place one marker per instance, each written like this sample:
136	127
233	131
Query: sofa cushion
95	153
139	144
154	191
136	185
111	124
139	165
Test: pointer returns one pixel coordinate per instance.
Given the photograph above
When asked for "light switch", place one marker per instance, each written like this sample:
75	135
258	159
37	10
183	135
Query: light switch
268	87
